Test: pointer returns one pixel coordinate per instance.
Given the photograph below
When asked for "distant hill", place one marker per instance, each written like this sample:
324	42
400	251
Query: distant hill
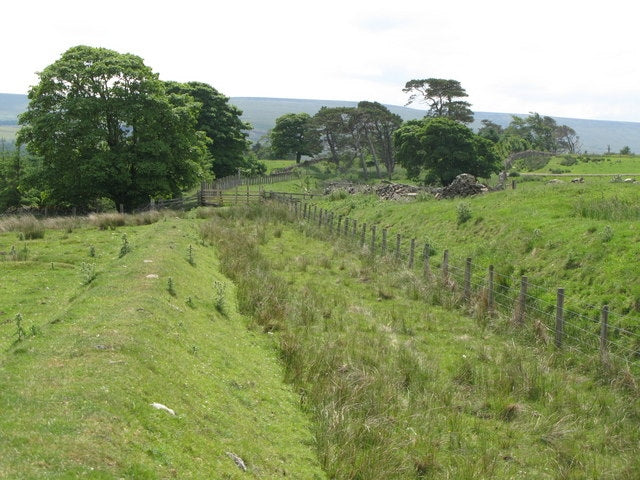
596	136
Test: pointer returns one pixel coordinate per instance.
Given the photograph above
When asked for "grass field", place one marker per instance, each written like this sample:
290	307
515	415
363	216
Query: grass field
110	327
402	387
592	165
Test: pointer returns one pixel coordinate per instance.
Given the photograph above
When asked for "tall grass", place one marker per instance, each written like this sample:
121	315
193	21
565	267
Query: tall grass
613	208
399	388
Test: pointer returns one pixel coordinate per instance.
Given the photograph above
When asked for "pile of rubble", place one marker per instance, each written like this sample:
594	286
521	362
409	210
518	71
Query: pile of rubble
385	190
464	185
397	191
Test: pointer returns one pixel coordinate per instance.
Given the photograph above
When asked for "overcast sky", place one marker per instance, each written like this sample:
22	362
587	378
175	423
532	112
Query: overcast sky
561	58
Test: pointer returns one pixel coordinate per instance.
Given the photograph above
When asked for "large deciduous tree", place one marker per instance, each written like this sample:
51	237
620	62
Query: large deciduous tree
442	149
222	124
105	126
294	134
442	97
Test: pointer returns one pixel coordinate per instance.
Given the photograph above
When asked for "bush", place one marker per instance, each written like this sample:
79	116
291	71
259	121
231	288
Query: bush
30	228
463	211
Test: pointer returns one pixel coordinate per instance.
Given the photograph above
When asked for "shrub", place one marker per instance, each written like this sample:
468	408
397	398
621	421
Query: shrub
463	211
107	221
30	228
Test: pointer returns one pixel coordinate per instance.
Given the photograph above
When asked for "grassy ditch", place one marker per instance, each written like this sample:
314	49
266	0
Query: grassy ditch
115	319
400	385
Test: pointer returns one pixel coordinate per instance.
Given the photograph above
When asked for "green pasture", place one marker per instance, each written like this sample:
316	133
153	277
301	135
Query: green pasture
403	386
95	329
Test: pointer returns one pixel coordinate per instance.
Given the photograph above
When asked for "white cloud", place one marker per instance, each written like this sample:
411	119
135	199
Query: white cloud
566	58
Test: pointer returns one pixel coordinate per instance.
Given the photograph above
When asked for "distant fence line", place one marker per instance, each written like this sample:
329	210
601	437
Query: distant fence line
486	291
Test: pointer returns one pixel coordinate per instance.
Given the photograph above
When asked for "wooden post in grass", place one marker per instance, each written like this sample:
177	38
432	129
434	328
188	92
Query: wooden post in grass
339	226
425	255
604	332
522	302
445	266
490	291
355	228
559	317
384	242
363	235
398	246
412	250
247	192
467	280
346	226
373	240
315	211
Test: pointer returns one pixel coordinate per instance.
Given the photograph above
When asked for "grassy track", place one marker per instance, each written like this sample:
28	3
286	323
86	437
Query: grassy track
75	394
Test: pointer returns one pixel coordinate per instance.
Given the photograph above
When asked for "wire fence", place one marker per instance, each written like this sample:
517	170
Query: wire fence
482	288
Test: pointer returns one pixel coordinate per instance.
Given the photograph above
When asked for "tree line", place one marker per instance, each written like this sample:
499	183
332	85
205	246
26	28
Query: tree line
101	126
434	149
101	129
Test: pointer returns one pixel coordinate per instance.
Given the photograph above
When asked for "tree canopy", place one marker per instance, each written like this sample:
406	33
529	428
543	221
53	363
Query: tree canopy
294	134
442	148
442	97
222	124
105	126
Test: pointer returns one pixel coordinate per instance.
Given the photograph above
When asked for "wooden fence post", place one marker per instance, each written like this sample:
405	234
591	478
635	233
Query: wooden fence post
346	226
364	234
425	255
445	266
467	280
373	240
604	332
412	253
559	318
522	302
384	242
490	291
355	227
398	246
339	226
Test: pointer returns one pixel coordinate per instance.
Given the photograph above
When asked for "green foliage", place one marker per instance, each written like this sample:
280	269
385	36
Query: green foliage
222	124
625	150
219	291
293	134
463	212
88	271
441	96
20	331
443	148
105	127
125	246
171	288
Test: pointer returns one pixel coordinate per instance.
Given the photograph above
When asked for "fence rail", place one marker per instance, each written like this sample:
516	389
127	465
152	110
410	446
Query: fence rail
483	290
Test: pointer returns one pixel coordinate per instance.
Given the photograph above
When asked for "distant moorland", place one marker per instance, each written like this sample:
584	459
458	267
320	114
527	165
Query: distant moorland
596	136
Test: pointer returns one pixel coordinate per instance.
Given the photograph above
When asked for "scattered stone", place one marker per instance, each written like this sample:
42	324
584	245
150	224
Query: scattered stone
147	261
464	185
629	180
152	275
160	406
238	461
578	180
554	181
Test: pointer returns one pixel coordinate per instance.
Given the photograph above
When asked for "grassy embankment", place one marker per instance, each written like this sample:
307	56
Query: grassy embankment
402	388
583	165
109	327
